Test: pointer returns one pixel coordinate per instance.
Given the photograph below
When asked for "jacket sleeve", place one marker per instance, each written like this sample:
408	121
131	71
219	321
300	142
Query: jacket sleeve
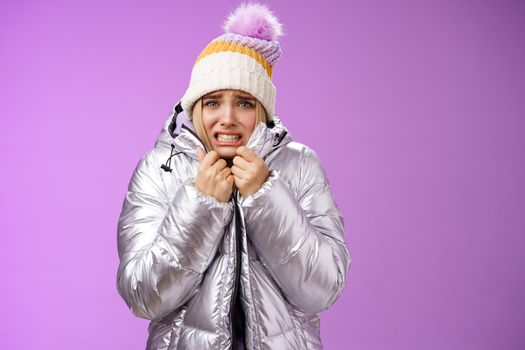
300	241
165	245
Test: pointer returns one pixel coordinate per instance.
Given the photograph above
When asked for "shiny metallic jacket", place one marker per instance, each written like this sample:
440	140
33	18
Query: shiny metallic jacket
184	255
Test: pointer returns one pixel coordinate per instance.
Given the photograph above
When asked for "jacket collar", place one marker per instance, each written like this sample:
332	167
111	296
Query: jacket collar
179	131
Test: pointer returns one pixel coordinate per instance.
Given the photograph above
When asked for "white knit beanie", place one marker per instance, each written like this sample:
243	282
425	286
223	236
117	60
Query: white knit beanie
240	59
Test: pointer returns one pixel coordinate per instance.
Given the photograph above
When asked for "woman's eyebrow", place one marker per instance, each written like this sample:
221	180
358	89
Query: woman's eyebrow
247	97
217	95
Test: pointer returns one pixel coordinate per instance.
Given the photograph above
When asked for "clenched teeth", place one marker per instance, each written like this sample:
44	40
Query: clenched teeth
227	138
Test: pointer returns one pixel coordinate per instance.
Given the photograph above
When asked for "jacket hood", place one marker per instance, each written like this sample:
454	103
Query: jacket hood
180	131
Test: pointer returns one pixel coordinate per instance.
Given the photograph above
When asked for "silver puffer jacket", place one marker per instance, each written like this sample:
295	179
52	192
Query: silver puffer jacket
184	255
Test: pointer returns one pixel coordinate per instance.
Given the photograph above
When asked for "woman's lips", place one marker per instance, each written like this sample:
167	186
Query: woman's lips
227	139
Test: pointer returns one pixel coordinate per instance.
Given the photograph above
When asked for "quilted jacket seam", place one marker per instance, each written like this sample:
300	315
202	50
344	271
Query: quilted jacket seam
288	330
178	263
199	329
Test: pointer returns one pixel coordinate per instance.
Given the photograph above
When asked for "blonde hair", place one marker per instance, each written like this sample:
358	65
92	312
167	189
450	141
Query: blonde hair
260	116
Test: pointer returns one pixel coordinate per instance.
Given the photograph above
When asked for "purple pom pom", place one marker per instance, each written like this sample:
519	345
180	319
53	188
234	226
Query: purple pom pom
254	20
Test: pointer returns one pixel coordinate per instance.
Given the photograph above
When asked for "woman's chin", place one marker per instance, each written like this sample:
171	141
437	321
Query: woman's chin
227	152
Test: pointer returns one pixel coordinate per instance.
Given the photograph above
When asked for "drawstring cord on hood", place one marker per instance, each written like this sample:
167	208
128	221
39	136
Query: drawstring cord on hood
167	167
171	129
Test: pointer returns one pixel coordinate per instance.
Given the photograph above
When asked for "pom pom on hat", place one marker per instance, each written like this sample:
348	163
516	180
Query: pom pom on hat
254	20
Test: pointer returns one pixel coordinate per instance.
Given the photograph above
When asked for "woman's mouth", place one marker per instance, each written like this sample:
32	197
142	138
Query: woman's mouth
228	139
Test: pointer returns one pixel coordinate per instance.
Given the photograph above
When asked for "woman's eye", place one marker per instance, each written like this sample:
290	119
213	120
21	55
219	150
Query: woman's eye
210	103
246	104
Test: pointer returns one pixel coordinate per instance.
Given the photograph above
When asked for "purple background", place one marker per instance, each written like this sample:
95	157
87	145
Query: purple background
416	109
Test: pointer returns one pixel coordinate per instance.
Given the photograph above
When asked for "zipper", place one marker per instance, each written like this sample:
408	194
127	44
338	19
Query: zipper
237	247
237	268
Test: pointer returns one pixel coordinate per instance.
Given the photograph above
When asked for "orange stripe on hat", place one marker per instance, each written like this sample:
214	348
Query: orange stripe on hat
222	46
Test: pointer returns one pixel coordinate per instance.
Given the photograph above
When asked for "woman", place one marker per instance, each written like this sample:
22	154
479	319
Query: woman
229	236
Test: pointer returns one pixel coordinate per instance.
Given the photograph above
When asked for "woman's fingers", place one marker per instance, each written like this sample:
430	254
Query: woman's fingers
223	174
241	162
219	165
238	172
201	154
230	179
210	159
247	153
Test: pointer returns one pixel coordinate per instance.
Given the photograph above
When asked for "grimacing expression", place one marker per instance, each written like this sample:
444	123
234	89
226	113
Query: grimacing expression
228	117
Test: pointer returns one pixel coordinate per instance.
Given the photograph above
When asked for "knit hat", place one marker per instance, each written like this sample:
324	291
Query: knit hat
240	59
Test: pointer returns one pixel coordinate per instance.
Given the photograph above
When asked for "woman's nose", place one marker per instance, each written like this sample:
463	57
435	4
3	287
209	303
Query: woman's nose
228	116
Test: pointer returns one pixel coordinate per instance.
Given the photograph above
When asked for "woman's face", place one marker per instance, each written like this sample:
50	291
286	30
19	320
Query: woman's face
228	117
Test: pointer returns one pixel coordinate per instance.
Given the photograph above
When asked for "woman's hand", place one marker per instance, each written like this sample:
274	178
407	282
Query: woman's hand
214	178
249	171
